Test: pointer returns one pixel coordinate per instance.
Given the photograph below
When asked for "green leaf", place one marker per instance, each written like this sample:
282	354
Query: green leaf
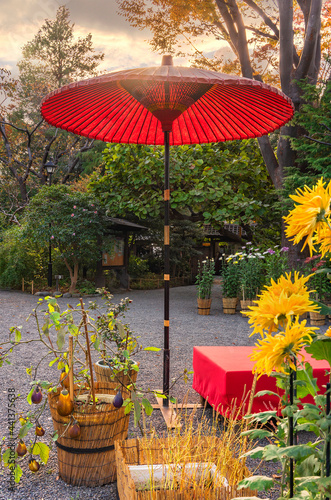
17	473
310	383
60	337
269	393
136	412
320	349
259	483
28	398
324	309
53	361
255	453
272	452
121	329
18	335
159	395
42	450
308	467
262	417
297	451
257	433
6	456
147	406
25	429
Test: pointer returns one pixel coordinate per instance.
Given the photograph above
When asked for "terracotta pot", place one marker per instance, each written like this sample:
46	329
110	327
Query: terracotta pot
229	305
204	306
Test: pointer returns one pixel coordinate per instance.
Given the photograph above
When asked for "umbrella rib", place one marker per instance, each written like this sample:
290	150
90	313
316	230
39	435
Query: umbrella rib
226	133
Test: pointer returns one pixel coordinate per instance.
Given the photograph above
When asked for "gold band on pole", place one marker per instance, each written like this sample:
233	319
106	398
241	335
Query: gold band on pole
166	235
167	277
166	322
166	194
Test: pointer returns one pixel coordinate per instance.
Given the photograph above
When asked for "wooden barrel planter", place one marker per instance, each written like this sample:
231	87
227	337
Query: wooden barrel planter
317	319
204	306
229	305
244	304
119	380
89	460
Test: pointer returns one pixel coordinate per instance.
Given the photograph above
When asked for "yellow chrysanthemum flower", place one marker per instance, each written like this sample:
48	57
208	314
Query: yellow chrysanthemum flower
307	217
328	332
324	239
273	351
285	283
279	302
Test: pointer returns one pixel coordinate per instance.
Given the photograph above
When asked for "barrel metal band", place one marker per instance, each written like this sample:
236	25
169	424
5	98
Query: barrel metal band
79	451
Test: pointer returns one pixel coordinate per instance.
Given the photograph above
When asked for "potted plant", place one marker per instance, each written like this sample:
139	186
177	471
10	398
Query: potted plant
230	284
251	275
119	344
275	263
204	282
87	415
319	284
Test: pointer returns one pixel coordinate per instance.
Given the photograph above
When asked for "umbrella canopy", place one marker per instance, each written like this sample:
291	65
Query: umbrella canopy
167	105
196	105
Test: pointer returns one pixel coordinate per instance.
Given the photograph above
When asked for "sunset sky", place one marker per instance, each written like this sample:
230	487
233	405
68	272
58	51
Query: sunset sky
124	47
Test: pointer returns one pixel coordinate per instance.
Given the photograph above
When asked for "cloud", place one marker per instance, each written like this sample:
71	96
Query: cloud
124	47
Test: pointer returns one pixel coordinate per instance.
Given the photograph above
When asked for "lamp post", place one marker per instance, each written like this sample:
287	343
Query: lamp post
50	169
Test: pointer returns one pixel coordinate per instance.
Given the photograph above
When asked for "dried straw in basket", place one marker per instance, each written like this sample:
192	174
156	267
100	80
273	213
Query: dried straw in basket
133	452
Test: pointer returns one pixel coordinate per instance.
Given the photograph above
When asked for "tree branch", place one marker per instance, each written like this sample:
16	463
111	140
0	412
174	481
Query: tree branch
315	140
264	16
262	33
286	41
308	53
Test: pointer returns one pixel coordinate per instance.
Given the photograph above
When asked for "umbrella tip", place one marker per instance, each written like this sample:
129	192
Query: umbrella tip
167	61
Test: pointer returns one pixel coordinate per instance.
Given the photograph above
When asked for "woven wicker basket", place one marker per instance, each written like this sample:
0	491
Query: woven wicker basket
133	452
89	460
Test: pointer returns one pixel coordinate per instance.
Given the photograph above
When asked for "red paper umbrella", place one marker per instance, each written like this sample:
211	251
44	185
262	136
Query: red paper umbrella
167	105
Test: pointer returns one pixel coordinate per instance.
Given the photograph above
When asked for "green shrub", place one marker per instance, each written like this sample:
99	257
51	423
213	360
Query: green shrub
19	259
138	268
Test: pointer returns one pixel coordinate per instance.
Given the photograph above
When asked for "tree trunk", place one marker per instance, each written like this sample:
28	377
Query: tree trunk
73	275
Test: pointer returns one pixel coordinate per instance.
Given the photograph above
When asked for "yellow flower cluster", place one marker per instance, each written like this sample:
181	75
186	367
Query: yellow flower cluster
273	351
279	303
310	218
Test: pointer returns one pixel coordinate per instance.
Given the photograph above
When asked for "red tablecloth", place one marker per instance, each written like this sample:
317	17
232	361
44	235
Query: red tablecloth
223	375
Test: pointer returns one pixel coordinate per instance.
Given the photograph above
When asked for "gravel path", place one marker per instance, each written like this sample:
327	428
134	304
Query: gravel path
145	316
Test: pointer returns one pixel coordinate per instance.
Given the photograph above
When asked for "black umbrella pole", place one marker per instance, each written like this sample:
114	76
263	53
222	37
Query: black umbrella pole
166	350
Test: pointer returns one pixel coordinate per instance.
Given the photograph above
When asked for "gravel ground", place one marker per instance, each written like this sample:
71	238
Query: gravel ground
145	316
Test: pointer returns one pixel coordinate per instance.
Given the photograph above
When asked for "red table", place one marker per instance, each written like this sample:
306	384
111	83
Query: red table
223	375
